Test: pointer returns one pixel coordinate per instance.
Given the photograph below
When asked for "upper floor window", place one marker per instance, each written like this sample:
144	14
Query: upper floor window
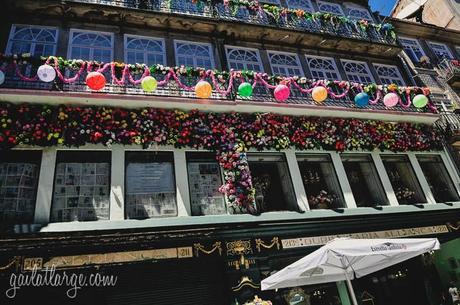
285	64
192	54
150	185
438	178
357	71
322	67
403	179
88	45
19	171
145	50
36	40
389	74
358	13
272	182
204	179
440	50
328	7
300	4
244	59
412	48
81	186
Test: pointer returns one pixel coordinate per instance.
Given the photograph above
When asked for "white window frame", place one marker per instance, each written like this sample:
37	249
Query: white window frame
413	40
125	46
311	9
401	79
71	37
296	57
207	44
229	48
319	3
343	61
430	43
13	30
336	70
350	7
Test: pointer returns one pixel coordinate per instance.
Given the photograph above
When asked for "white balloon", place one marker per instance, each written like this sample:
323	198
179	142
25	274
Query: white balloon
46	73
2	77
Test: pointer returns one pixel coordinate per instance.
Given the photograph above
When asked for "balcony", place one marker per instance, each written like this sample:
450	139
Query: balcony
450	71
176	91
449	123
203	17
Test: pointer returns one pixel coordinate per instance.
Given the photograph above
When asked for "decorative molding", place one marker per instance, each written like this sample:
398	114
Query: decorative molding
245	281
217	246
239	247
15	261
453	227
261	244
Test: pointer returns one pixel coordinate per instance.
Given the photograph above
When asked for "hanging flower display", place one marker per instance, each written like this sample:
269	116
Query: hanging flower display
221	82
230	135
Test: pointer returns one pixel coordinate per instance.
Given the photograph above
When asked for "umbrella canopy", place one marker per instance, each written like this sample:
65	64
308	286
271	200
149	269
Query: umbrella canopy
346	258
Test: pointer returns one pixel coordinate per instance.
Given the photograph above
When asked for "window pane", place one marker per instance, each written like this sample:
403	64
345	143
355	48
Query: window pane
320	181
150	185
204	180
438	178
18	185
81	186
403	179
272	182
364	181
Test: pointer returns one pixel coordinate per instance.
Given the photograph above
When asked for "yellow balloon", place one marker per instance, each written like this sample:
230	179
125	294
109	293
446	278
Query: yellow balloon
319	94
203	89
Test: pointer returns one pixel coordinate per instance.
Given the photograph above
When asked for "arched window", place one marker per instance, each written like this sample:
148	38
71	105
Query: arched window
194	54
149	51
412	48
244	59
300	4
285	64
440	50
329	7
357	71
36	40
358	13
389	74
322	67
91	46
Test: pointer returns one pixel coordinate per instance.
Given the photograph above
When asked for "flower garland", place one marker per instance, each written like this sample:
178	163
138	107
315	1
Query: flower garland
277	13
230	135
222	82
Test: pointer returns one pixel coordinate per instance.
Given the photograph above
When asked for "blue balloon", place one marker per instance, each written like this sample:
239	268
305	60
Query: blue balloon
362	99
387	27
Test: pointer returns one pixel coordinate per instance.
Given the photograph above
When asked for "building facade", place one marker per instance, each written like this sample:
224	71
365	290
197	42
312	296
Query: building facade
192	148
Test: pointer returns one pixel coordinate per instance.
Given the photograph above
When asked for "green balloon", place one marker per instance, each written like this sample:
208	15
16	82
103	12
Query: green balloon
149	84
420	101
245	89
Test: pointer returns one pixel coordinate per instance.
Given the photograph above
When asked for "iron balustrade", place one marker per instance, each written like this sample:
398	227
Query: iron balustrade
448	68
449	123
217	11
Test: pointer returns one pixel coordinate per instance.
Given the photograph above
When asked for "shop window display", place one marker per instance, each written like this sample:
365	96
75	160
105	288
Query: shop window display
438	178
81	186
150	185
320	181
272	182
364	180
19	172
403	179
204	178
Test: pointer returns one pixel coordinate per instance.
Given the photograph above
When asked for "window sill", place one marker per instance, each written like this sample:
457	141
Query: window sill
227	219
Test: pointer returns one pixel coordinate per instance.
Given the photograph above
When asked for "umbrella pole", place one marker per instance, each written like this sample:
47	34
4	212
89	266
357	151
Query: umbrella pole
350	290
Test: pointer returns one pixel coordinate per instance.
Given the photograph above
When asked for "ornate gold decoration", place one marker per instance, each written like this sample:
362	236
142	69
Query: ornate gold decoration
453	227
261	244
297	292
16	261
200	248
245	281
239	247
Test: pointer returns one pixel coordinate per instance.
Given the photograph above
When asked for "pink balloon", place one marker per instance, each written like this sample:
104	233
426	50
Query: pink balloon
282	93
391	99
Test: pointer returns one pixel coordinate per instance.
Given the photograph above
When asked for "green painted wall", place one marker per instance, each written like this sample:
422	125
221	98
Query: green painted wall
449	251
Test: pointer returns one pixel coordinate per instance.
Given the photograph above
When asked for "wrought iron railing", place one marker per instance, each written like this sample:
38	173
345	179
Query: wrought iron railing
448	68
449	123
216	10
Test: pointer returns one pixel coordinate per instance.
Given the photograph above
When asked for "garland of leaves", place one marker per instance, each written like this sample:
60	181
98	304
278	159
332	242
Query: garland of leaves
278	12
230	135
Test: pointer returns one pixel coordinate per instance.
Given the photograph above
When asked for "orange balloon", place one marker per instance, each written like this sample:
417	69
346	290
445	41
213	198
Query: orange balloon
319	94
203	89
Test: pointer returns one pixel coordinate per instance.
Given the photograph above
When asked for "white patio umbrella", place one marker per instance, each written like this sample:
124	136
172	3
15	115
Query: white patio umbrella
344	259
